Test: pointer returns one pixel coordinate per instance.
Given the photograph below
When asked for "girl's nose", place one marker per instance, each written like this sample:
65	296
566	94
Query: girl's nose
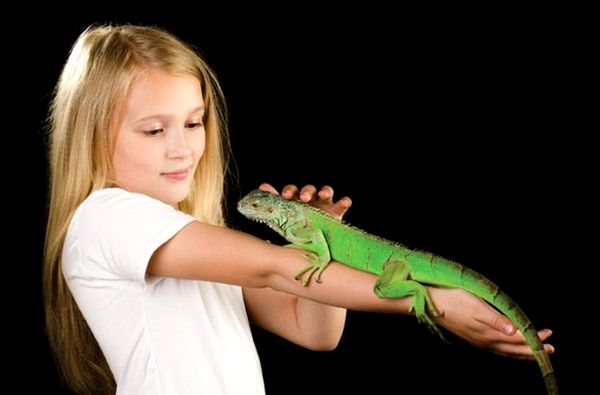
178	146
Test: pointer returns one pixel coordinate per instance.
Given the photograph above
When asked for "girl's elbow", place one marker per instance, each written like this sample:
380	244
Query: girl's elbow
328	343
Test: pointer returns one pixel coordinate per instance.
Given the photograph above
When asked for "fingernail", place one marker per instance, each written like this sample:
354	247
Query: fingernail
508	328
549	332
551	350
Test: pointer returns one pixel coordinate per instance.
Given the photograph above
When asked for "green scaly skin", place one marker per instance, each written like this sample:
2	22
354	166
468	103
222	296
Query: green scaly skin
401	271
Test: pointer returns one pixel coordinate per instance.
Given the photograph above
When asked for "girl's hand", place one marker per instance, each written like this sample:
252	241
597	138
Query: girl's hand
473	320
308	194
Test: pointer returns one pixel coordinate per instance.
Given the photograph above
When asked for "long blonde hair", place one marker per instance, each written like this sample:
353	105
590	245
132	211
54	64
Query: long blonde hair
102	65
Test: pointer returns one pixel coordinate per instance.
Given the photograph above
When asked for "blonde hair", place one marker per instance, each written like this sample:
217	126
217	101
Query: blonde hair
102	65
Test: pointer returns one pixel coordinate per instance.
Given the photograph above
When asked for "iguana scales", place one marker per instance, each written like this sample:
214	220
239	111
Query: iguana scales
401	270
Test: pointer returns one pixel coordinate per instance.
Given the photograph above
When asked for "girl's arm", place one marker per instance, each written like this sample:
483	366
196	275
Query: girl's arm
309	324
206	252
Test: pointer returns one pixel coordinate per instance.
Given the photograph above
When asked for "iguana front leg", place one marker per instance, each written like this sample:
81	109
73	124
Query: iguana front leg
394	283
310	239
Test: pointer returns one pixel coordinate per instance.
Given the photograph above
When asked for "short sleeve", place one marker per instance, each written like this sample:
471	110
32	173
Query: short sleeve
115	233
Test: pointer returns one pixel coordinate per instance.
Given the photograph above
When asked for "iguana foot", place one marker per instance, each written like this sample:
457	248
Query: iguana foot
421	302
394	283
316	253
422	305
316	266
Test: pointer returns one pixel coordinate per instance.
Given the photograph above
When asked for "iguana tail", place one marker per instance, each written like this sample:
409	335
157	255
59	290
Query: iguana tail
509	308
479	285
402	275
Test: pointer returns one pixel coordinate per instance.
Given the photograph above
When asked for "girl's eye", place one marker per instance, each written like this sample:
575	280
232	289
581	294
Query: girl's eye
152	132
194	125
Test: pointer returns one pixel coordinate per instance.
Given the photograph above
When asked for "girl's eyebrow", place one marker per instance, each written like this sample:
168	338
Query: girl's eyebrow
197	109
159	116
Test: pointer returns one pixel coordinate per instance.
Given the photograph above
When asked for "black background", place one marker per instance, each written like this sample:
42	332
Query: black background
449	130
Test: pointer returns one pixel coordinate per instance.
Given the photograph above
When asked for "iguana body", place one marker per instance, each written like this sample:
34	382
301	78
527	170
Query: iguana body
401	271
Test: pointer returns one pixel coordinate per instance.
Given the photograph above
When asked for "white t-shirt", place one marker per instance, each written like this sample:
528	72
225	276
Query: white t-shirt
159	335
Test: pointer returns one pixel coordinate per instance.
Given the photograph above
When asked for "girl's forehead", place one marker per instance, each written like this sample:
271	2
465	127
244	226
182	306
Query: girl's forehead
159	91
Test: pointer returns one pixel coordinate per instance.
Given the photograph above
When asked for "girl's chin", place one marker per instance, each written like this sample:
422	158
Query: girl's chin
173	199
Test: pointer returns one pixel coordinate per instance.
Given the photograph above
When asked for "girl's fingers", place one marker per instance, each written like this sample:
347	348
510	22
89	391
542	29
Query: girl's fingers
345	202
290	191
544	334
518	351
268	187
326	194
519	339
322	199
308	193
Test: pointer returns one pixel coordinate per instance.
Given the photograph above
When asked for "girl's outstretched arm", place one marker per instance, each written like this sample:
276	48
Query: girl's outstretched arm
206	252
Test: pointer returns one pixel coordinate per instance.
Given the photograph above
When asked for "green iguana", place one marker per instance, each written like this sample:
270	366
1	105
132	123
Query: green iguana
401	271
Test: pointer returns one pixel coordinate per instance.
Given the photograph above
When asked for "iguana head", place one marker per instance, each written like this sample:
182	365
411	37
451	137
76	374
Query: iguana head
271	209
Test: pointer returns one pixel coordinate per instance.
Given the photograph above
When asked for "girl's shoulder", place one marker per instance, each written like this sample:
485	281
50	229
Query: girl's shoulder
116	231
114	208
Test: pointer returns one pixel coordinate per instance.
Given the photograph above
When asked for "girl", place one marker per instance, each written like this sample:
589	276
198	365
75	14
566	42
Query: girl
146	290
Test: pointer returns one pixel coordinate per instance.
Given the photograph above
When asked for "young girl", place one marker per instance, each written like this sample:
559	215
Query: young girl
146	291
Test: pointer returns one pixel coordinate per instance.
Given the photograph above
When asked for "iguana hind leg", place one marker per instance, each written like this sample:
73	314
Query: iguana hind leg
394	283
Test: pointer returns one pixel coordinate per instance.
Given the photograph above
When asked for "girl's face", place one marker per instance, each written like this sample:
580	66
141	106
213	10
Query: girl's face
160	137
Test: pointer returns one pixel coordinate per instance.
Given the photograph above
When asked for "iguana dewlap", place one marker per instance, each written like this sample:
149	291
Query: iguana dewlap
402	271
